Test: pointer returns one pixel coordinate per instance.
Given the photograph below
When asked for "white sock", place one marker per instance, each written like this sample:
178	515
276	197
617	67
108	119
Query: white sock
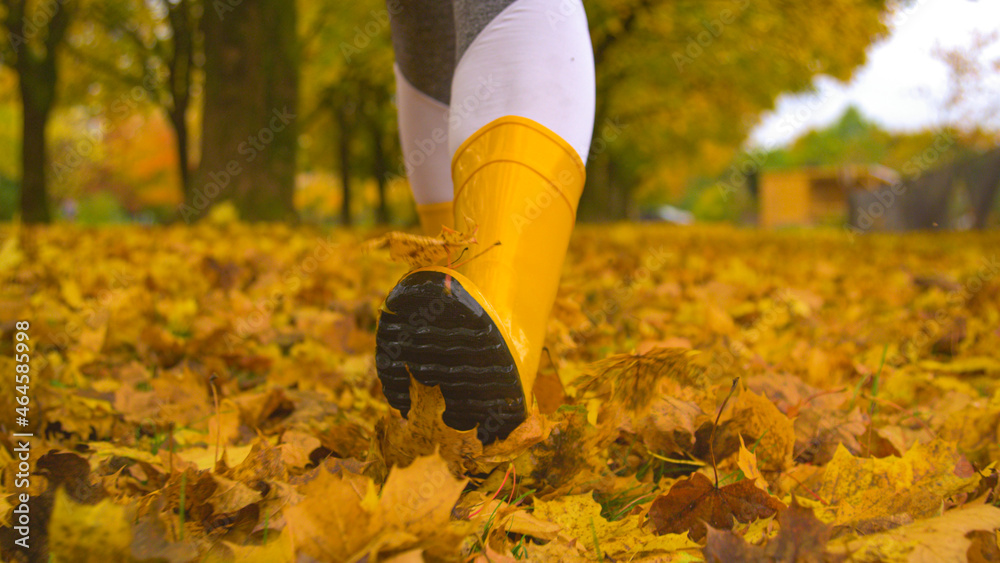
534	60
423	135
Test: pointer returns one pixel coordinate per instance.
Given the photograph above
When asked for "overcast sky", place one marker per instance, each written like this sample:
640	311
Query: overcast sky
902	85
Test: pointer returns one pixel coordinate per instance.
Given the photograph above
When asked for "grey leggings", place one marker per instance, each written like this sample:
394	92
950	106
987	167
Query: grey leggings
430	36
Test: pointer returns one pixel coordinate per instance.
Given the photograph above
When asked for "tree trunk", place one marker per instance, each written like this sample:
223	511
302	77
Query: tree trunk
37	77
596	201
604	199
34	195
344	145
181	142
182	25
249	137
381	172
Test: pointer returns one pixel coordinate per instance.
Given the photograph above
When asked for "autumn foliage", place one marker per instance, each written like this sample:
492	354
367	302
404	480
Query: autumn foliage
208	393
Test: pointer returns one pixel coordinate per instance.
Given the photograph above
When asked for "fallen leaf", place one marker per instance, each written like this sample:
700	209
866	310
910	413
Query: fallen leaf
937	540
419	251
723	546
916	484
627	379
802	537
341	518
332	521
548	391
580	518
756	418
150	541
423	432
747	462
691	503
89	533
419	498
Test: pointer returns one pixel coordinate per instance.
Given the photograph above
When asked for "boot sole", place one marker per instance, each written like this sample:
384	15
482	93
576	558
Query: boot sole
446	338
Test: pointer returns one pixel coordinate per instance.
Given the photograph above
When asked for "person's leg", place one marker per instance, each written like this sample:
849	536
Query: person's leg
529	58
521	117
423	38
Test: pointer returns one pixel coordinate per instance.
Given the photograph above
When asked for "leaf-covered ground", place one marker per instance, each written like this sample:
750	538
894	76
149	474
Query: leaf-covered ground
209	394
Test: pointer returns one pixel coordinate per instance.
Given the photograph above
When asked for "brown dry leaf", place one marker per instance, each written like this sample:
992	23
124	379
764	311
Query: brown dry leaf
548	391
916	484
573	453
296	447
670	424
420	251
626	379
151	540
723	546
264	463
802	538
231	496
985	546
820	423
691	503
71	472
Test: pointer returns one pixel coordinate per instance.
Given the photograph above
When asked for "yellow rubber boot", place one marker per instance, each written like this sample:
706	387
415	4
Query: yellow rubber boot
520	183
477	331
433	216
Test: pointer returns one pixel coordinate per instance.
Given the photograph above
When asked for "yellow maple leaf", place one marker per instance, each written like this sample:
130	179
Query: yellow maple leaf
756	417
581	520
915	484
342	518
419	498
89	533
747	462
331	534
928	541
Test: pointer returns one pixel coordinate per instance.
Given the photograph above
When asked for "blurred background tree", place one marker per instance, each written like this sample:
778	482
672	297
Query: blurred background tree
161	108
35	30
685	81
250	126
